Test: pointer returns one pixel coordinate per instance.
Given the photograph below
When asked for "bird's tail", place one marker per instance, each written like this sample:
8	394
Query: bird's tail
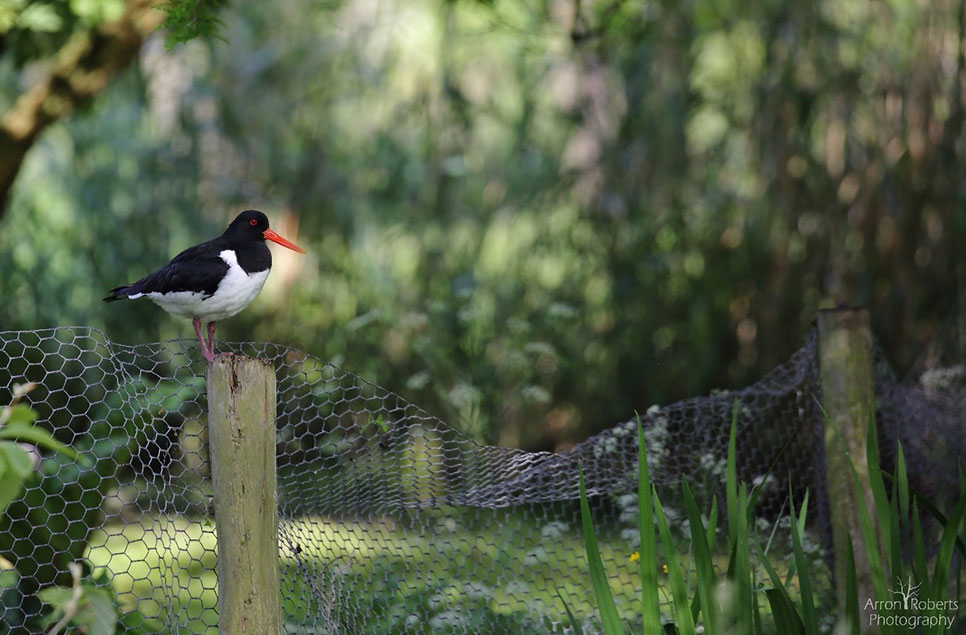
118	293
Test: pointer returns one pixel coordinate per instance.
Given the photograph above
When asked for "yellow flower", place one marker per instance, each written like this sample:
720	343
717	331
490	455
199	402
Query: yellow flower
637	556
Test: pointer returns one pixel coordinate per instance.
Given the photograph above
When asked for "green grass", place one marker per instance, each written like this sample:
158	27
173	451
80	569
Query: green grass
470	564
160	566
486	569
163	563
732	599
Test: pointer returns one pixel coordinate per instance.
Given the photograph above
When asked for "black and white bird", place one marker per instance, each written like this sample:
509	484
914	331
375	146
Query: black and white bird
214	280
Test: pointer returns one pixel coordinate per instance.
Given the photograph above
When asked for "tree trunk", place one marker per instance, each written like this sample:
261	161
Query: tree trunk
81	69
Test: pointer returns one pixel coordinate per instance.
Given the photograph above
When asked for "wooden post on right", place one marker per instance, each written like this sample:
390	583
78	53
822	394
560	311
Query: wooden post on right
848	398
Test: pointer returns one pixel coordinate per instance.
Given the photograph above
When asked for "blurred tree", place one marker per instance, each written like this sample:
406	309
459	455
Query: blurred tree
78	48
83	45
530	219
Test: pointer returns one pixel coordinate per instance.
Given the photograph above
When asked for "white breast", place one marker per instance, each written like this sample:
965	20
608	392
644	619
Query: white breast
236	290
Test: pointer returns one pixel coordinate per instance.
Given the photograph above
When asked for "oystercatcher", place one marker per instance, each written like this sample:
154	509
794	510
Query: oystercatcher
214	280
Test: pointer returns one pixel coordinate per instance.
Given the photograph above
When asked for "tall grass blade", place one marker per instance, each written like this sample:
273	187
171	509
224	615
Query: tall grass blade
945	555
869	538
809	615
803	511
918	547
959	561
793	567
605	601
786	619
927	505
759	488
879	496
742	569
851	592
896	545
902	480
713	523
774	527
755	610
940	518
776	579
695	609
731	484
574	624
702	560
651	613
679	593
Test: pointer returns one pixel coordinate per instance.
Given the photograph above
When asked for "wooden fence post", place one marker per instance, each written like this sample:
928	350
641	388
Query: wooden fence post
241	442
848	397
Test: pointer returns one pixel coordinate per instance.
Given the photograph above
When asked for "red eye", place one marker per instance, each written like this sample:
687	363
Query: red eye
253	221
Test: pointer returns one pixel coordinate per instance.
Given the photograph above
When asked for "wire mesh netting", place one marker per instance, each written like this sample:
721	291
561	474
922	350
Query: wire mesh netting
389	519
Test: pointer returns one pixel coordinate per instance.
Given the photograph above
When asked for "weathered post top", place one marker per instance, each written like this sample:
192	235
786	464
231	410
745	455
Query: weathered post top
241	441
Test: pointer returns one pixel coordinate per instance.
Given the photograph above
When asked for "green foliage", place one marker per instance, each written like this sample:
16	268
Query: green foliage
598	577
509	220
728	602
33	30
16	464
809	616
651	620
380	422
681	609
84	605
190	19
393	614
852	612
885	556
50	506
706	578
91	605
574	624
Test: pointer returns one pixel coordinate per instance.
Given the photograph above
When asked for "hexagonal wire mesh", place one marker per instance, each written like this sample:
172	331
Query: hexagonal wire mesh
390	520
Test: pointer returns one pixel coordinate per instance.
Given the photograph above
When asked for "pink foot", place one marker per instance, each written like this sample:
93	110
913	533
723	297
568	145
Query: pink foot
205	351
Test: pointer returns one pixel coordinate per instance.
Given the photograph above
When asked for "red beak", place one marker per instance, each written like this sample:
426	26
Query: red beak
268	234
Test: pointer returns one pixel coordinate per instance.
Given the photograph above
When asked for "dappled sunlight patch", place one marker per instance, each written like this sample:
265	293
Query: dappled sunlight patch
159	564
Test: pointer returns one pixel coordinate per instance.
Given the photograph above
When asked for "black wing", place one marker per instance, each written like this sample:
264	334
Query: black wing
197	268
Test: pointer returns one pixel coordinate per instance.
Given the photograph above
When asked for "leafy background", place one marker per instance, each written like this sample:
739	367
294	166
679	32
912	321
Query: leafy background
529	218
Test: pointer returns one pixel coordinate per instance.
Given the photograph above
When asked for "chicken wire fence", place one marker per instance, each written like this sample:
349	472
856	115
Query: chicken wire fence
389	519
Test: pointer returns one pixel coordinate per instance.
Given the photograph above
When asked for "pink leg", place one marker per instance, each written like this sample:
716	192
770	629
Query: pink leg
208	355
211	342
211	337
